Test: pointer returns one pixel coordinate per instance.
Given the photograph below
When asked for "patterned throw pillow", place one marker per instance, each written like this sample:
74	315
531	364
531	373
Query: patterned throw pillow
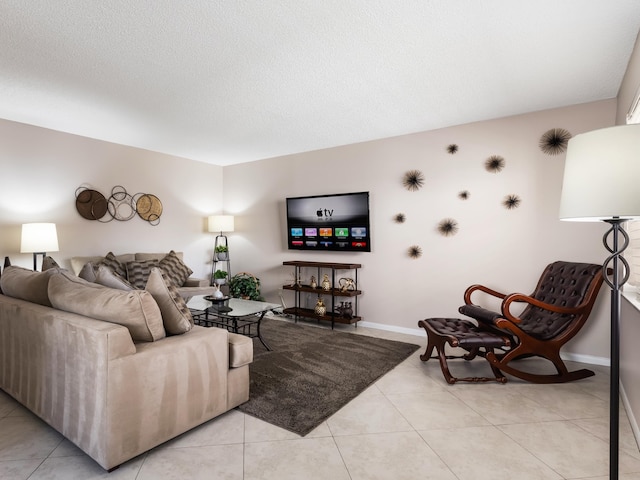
88	272
48	262
114	264
176	316
138	272
175	269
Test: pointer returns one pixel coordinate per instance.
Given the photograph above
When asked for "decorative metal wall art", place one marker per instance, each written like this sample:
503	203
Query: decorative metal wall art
413	180
120	205
464	195
554	141
494	164
399	218
414	251
452	149
511	201
448	227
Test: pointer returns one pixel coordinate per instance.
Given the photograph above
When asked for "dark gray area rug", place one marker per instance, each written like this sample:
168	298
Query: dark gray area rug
312	372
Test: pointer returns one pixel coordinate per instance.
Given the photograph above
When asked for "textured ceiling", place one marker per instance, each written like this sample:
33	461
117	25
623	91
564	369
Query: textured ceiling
232	81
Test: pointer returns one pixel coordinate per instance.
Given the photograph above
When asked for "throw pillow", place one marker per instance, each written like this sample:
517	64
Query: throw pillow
108	278
176	316
18	282
88	272
48	262
138	272
114	264
135	309
175	269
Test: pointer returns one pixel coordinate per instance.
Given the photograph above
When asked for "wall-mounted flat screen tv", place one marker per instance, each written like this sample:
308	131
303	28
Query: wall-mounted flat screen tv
338	222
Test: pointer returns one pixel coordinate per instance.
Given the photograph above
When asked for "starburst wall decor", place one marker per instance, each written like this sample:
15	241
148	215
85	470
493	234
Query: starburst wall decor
554	141
511	201
452	149
399	218
464	195
413	180
448	227
494	164
414	251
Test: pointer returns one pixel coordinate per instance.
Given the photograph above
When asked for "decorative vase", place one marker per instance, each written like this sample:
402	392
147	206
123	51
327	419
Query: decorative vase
313	283
320	308
326	284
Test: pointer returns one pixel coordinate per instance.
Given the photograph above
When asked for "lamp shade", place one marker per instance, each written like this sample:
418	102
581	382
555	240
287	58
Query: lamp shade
221	223
602	175
39	237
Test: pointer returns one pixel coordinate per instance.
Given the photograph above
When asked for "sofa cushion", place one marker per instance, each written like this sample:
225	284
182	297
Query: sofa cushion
175	268
138	272
108	278
135	309
114	264
176	316
26	284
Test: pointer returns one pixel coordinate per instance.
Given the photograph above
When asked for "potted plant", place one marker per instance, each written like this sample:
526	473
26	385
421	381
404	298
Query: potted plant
222	252
245	285
220	277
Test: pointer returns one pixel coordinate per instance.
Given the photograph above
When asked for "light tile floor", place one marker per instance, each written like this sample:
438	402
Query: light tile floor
408	425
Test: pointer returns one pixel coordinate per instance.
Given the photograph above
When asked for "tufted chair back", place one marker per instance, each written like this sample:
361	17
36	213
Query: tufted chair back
563	284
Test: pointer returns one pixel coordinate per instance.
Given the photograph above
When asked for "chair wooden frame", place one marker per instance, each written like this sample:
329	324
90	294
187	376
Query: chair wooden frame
525	344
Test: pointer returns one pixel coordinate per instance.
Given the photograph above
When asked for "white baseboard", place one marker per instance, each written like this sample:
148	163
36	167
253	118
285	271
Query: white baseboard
581	358
419	332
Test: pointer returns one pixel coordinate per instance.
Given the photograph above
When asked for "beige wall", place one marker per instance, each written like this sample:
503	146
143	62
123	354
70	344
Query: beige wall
505	249
41	170
630	316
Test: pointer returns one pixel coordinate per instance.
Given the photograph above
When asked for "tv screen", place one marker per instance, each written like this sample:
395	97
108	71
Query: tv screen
338	222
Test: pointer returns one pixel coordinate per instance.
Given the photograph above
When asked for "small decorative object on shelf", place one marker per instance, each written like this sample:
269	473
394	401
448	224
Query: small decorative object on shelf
326	284
320	307
313	283
345	310
346	284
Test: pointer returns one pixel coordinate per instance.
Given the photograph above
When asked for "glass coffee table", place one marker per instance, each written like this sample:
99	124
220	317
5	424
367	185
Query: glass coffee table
234	314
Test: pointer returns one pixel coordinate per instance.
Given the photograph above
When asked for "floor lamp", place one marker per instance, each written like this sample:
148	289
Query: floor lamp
39	238
601	176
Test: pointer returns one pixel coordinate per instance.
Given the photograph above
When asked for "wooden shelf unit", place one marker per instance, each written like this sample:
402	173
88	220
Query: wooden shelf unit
333	293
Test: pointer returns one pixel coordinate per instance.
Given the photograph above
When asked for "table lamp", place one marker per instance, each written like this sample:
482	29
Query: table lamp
600	184
39	238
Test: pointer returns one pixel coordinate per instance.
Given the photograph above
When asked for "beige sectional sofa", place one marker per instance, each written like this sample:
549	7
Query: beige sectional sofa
110	395
191	287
